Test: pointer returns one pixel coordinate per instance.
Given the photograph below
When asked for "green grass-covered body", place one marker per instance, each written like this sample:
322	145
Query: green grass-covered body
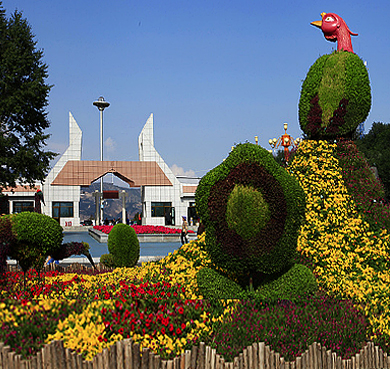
271	243
335	96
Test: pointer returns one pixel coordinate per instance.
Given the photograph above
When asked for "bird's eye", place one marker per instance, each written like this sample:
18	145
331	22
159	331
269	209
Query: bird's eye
329	19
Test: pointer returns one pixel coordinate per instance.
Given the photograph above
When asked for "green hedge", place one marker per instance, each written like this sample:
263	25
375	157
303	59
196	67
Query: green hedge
215	286
272	245
298	281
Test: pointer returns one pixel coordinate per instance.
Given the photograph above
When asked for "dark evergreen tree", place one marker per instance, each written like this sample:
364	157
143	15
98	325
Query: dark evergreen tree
375	146
23	101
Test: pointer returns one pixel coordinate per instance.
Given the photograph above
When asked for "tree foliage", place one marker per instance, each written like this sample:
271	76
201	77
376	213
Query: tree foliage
375	146
23	101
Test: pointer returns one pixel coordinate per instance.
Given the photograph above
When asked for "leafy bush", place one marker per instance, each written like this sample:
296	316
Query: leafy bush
374	145
299	280
123	245
214	286
107	260
362	185
7	239
335	96
38	236
280	202
289	328
246	211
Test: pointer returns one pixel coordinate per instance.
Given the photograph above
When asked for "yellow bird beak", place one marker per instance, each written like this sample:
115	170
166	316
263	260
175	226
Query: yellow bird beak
318	23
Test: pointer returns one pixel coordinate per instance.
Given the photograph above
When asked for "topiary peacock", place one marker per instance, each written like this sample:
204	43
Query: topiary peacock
336	94
252	210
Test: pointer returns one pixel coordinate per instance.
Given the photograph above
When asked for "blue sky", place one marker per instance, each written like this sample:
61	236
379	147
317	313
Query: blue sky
213	73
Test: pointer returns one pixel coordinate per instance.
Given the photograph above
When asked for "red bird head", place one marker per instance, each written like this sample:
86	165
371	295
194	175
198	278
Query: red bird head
335	29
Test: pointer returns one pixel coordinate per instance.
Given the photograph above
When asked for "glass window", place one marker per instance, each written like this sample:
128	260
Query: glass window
62	209
159	208
19	206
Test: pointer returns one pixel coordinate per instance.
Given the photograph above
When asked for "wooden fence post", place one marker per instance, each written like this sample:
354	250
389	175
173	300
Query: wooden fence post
319	355
187	359
201	356
267	357
298	362
58	350
272	359
145	358
245	357
207	360
261	355
213	356
157	362
255	349
136	356
151	360
4	356
194	354
250	357
119	355
128	353
106	358
323	357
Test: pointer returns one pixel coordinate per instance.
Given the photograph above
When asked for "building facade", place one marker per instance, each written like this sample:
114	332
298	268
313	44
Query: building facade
165	205
165	197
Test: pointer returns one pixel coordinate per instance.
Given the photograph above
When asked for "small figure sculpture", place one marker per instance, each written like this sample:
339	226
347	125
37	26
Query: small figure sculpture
38	198
335	29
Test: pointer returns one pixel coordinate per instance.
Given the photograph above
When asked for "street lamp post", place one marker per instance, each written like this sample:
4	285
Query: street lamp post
101	104
286	141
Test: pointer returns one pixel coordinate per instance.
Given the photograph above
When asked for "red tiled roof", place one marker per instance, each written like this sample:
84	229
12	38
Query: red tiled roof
135	173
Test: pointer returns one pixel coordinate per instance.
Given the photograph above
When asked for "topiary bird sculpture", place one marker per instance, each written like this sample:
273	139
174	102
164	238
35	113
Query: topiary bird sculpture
335	29
73	248
336	94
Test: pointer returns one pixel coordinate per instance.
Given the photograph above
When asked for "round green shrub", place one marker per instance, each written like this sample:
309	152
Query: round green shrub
299	280
214	286
277	198
246	211
107	260
335	96
37	235
123	245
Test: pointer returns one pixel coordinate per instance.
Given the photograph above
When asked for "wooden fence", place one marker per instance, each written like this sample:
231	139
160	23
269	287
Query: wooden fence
127	355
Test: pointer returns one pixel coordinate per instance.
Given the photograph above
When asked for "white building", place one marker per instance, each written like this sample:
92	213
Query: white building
165	197
164	205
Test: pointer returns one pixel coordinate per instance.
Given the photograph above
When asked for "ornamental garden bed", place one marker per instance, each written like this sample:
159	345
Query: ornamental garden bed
153	317
90	316
144	229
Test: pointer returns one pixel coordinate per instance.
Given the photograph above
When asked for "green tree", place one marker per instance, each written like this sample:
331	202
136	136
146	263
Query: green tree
23	101
375	146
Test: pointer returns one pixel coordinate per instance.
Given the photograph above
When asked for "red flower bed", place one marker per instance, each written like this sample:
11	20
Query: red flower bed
144	229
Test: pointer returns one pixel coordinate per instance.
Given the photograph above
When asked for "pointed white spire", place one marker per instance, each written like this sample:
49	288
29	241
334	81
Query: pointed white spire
146	139
75	138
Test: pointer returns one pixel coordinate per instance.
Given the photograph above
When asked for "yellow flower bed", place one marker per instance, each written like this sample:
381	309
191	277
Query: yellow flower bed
85	332
351	261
